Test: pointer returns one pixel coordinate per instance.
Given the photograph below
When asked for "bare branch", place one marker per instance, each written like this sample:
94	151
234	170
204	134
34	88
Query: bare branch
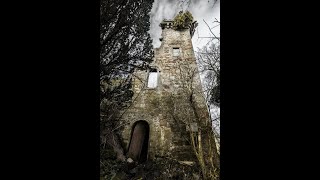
211	31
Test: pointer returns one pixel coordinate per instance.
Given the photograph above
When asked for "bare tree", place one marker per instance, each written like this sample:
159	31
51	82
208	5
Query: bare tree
187	98
208	59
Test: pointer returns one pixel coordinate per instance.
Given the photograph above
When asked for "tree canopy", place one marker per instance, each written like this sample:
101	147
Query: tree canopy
125	45
124	41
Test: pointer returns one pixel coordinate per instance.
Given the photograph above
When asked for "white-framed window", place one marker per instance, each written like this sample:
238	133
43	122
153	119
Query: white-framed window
176	51
152	78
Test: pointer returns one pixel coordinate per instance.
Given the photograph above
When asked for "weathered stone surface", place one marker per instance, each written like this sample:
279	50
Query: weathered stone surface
164	108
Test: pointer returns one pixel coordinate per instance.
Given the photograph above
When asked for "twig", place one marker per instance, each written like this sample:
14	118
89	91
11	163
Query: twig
211	31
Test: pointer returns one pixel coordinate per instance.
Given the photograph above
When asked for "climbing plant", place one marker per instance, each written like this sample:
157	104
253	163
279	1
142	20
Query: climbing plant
182	20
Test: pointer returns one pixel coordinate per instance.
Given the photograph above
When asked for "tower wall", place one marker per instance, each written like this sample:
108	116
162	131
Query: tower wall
166	108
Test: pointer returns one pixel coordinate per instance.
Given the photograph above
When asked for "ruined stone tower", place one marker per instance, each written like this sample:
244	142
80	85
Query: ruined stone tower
159	121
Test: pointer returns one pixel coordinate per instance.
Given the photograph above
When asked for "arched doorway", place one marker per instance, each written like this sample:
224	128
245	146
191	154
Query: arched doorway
139	141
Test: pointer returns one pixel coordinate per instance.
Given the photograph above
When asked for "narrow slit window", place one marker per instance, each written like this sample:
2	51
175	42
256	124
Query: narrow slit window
153	78
176	51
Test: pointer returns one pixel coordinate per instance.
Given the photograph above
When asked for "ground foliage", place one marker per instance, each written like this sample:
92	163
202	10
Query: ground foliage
157	169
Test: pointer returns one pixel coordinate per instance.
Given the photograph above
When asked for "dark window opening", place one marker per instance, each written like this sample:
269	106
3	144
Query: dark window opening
153	70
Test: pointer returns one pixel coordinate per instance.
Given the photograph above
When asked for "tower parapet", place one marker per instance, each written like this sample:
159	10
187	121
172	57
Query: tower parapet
169	23
166	23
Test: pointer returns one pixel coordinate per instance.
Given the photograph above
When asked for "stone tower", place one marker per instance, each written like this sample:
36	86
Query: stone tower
161	118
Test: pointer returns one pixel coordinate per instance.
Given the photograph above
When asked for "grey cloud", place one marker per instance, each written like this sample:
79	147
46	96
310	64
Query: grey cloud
167	9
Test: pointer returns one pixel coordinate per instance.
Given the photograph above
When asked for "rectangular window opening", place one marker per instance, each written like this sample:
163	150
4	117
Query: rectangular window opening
176	51
153	78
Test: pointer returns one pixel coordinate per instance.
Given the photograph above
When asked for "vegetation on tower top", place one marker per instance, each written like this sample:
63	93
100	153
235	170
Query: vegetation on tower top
183	20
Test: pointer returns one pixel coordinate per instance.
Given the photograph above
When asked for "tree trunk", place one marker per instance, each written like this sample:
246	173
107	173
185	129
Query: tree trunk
201	156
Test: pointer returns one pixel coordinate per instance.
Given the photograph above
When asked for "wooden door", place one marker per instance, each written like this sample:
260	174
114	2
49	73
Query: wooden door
138	137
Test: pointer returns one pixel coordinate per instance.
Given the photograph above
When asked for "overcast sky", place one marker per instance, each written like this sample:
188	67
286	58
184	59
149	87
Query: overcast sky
200	9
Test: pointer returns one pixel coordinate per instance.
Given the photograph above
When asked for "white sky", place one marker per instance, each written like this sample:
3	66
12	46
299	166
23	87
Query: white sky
200	9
